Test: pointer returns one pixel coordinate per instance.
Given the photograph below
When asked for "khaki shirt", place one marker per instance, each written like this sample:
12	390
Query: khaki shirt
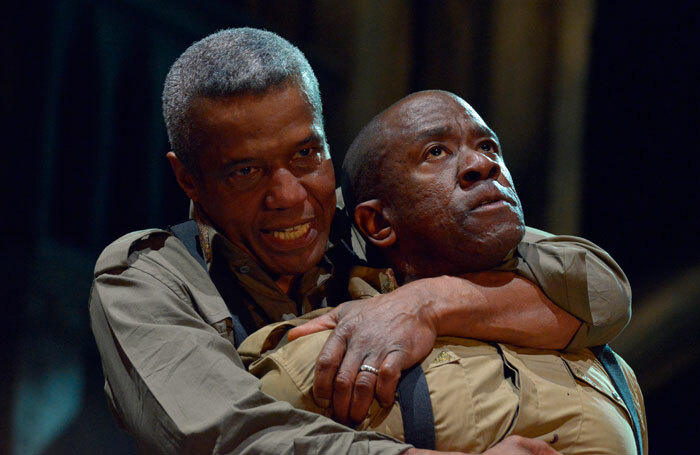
480	392
173	377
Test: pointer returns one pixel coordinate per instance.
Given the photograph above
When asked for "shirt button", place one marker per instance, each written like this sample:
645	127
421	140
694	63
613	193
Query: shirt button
244	269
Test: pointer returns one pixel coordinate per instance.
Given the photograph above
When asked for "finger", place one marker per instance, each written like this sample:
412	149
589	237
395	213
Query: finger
327	365
344	384
389	375
539	447
521	445
363	392
326	321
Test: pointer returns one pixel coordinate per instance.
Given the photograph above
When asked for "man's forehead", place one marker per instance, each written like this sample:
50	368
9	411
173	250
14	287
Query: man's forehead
222	109
435	114
256	126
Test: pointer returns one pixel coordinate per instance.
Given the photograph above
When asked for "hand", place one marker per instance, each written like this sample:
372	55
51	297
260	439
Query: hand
517	445
390	332
512	445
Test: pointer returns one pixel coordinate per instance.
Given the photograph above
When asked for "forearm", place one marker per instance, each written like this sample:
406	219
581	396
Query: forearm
496	306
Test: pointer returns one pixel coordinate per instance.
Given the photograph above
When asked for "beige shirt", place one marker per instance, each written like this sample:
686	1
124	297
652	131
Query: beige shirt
176	383
480	392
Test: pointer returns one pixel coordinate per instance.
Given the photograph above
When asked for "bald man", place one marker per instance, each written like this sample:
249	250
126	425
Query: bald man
433	196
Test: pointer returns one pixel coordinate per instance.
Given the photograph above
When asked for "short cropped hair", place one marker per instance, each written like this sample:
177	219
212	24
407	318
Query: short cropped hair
362	166
228	63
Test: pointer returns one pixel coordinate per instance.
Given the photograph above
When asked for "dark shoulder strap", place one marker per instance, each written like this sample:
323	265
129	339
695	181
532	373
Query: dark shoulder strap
188	234
607	358
416	409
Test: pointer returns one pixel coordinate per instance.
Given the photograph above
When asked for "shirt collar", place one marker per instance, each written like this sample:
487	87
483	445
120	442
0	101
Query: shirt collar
252	277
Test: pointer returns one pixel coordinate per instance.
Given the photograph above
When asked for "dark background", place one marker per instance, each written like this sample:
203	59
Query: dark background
596	104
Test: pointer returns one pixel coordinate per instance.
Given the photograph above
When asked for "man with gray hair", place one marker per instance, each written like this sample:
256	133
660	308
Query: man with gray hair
168	307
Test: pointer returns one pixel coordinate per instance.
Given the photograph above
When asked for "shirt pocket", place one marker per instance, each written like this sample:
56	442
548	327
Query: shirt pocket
474	404
549	401
586	368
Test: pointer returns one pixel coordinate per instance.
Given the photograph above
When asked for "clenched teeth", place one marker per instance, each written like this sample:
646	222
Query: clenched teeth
293	232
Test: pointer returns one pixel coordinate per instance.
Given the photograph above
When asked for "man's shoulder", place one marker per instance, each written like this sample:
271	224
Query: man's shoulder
533	235
122	253
154	259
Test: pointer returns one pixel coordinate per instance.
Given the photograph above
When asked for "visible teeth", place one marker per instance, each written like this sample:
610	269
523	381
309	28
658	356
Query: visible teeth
293	232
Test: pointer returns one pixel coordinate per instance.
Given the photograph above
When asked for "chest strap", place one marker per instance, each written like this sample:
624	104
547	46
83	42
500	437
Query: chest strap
188	234
417	411
607	358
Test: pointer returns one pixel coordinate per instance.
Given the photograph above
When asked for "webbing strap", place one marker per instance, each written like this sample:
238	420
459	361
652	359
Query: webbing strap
416	409
607	358
188	234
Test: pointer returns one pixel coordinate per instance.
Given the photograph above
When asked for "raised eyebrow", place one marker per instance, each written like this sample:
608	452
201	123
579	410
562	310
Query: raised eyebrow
430	133
313	137
479	130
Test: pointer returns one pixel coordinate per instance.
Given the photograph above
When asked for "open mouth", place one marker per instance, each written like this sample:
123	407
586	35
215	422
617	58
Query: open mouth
290	233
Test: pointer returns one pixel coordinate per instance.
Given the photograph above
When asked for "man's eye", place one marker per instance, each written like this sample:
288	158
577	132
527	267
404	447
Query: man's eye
306	159
246	171
305	152
436	152
486	147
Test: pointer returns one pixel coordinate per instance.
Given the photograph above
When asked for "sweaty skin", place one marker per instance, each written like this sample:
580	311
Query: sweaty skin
458	211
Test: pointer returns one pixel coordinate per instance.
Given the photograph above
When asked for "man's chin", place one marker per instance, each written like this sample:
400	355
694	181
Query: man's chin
295	262
489	251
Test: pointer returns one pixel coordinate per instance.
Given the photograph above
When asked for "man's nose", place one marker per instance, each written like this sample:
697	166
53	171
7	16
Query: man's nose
477	166
285	191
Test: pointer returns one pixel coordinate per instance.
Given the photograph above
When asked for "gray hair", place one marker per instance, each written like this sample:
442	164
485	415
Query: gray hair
228	63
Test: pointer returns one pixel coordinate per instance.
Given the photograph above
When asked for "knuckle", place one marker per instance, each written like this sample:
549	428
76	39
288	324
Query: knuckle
516	440
345	328
389	372
343	382
325	362
364	384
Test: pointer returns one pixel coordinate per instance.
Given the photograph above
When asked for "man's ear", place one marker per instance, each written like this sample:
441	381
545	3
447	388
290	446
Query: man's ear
371	220
184	177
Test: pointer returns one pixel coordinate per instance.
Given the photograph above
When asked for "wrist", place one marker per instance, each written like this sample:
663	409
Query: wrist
451	303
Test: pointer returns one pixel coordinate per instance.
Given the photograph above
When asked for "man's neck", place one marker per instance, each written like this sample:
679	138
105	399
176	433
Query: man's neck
284	282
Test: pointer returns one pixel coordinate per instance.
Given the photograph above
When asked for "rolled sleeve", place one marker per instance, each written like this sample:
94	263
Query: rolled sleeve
580	278
178	386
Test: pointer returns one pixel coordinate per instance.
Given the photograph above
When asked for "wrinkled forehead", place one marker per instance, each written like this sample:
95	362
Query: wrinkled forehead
426	115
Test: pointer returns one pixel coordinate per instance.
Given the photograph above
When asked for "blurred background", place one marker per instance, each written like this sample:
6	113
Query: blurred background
596	105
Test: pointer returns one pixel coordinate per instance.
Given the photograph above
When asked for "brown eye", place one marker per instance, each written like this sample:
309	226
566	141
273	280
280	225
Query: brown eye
246	171
486	147
435	152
